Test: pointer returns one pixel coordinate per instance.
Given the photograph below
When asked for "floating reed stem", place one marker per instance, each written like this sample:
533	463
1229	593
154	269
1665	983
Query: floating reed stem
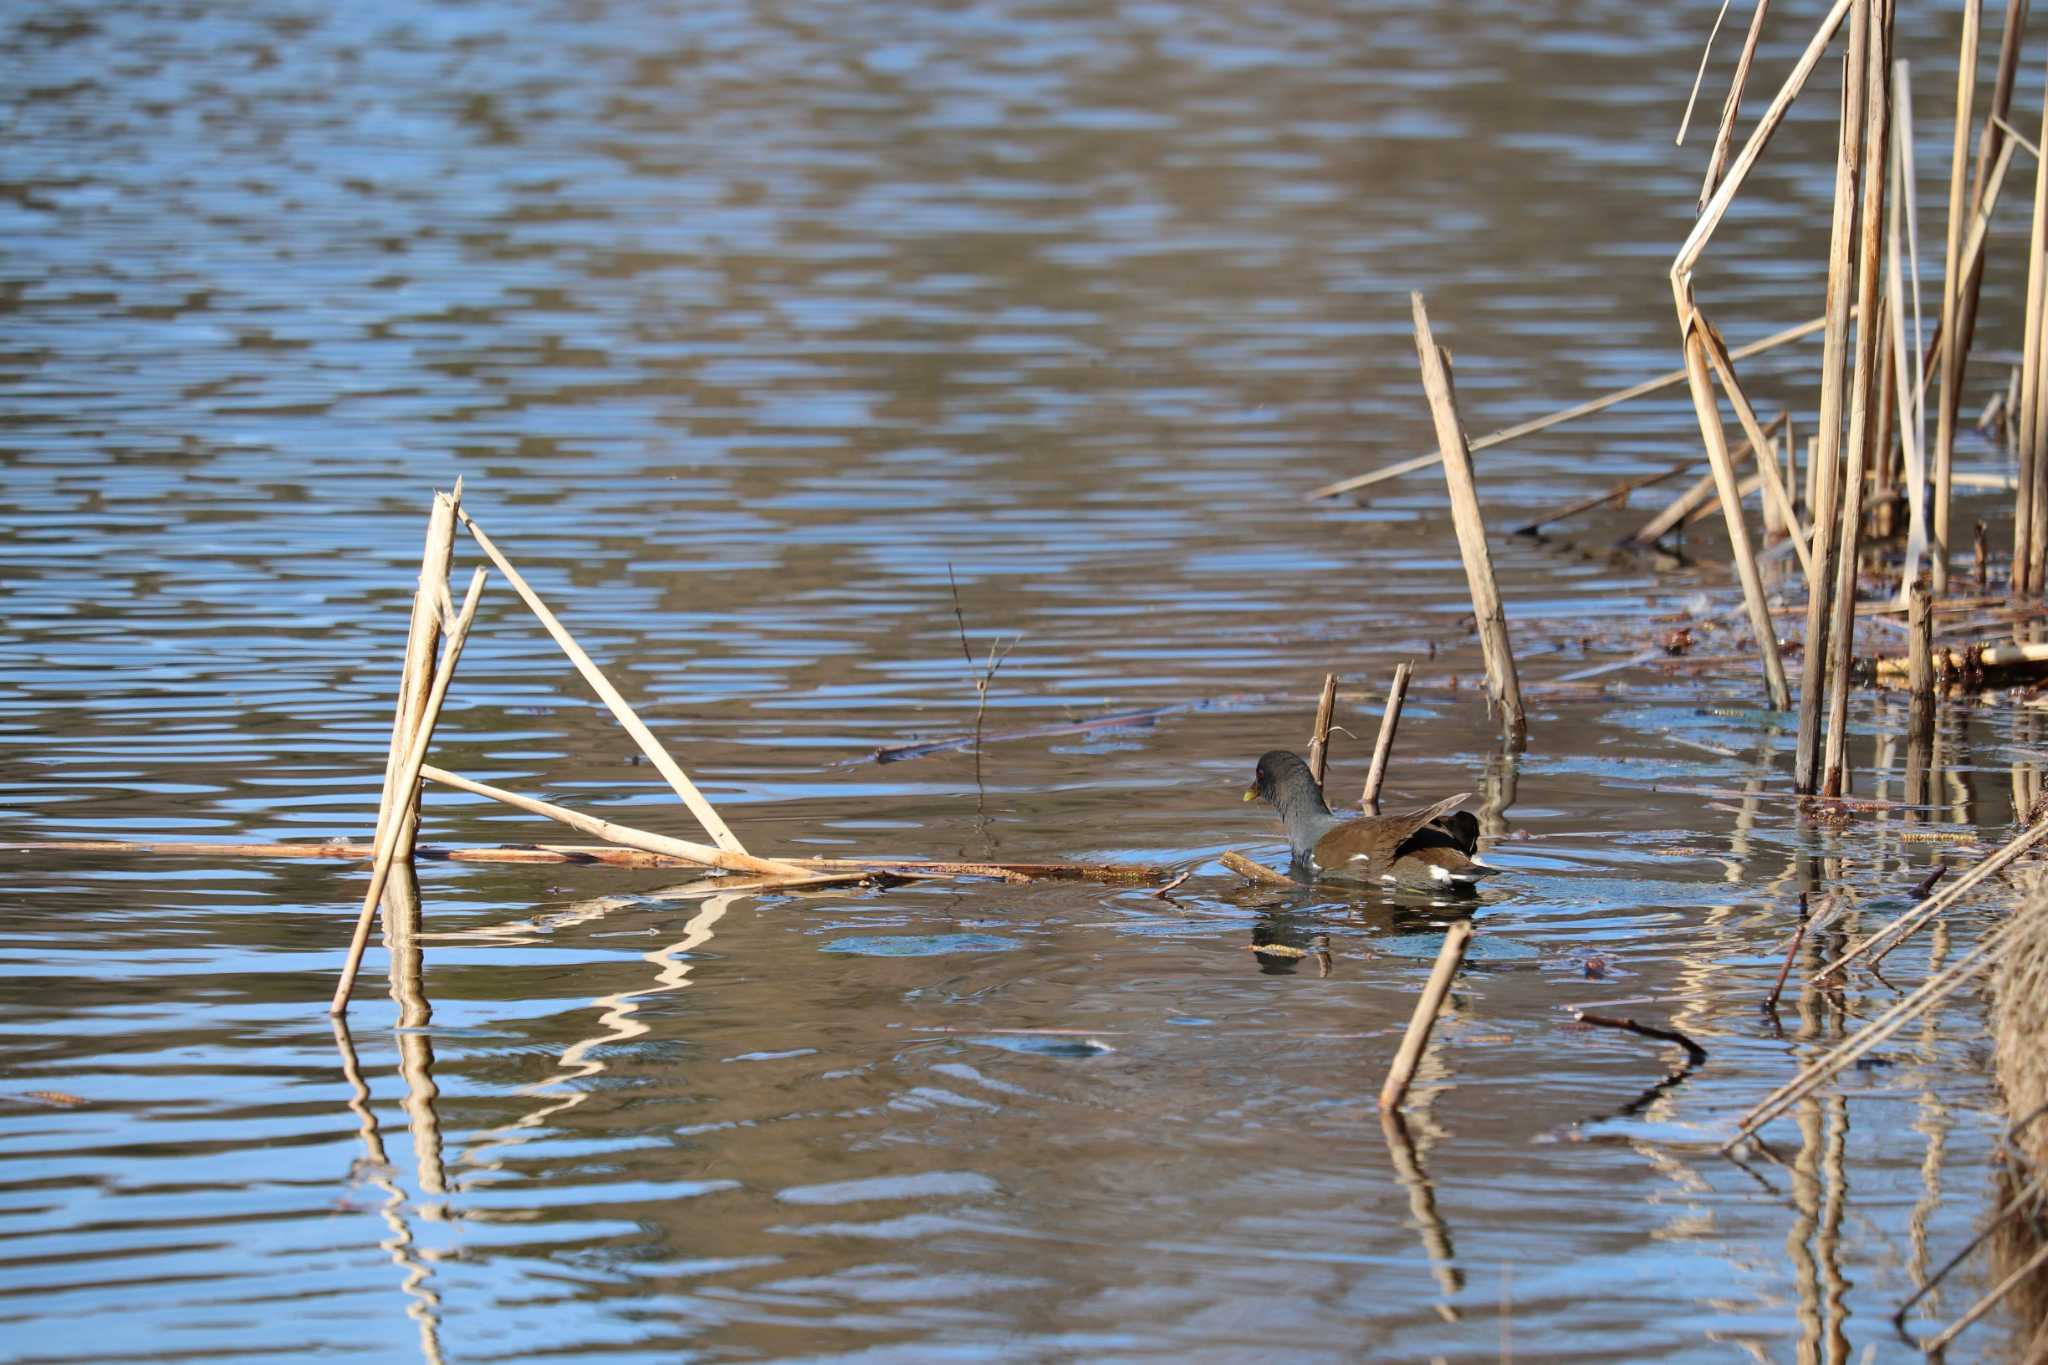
417	677
649	745
1824	462
1503	688
612	832
1254	872
1601	404
1390	721
1952	289
1834	661
407	777
1423	1020
1319	740
1731	509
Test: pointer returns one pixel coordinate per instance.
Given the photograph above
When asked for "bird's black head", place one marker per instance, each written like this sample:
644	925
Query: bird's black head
1275	767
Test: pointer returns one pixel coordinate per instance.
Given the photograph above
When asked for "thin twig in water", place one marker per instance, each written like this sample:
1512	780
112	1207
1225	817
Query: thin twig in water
1692	1049
997	652
1791	952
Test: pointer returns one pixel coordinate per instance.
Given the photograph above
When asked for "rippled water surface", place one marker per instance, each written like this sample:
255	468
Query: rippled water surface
747	325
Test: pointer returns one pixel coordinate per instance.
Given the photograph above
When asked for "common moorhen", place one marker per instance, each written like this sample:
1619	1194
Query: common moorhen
1430	846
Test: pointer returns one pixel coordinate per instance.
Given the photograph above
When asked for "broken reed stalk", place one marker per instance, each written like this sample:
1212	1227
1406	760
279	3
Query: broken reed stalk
1254	872
416	678
1383	747
1982	658
408	777
1824	463
1700	77
1700	494
1848	534
1423	1020
1561	416
1731	509
1726	134
1776	495
611	832
1952	290
1319	738
1895	933
1920	657
1791	954
649	745
1503	688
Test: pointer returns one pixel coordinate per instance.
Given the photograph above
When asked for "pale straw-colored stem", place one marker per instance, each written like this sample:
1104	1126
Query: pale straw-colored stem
1319	739
1503	686
1767	464
649	745
1952	289
1427	1005
1383	747
1731	507
416	678
408	777
1836	659
1824	461
1726	134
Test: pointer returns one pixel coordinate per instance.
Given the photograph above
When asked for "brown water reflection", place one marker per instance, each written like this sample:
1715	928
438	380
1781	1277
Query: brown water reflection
746	323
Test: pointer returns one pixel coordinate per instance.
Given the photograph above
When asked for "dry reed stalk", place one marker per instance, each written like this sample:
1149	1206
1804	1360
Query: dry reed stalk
649	745
1700	493
1114	873
1896	932
1952	289
1731	509
1776	495
1256	873
1717	207
416	678
1700	77
1824	461
1383	747
1502	686
1920	656
1904	286
1319	738
1614	494
2034	412
1725	135
612	832
1841	629
408	776
1423	1020
1586	409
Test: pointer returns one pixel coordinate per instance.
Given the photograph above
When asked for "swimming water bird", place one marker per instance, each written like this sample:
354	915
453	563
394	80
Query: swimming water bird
1431	846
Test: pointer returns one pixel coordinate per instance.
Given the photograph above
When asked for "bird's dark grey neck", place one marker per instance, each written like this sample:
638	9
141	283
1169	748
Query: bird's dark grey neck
1302	811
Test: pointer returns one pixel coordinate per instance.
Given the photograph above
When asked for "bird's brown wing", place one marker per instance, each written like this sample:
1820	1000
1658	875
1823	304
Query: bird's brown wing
1426	827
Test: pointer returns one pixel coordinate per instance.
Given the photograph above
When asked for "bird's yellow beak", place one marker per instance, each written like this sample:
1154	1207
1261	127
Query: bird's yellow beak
1251	793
